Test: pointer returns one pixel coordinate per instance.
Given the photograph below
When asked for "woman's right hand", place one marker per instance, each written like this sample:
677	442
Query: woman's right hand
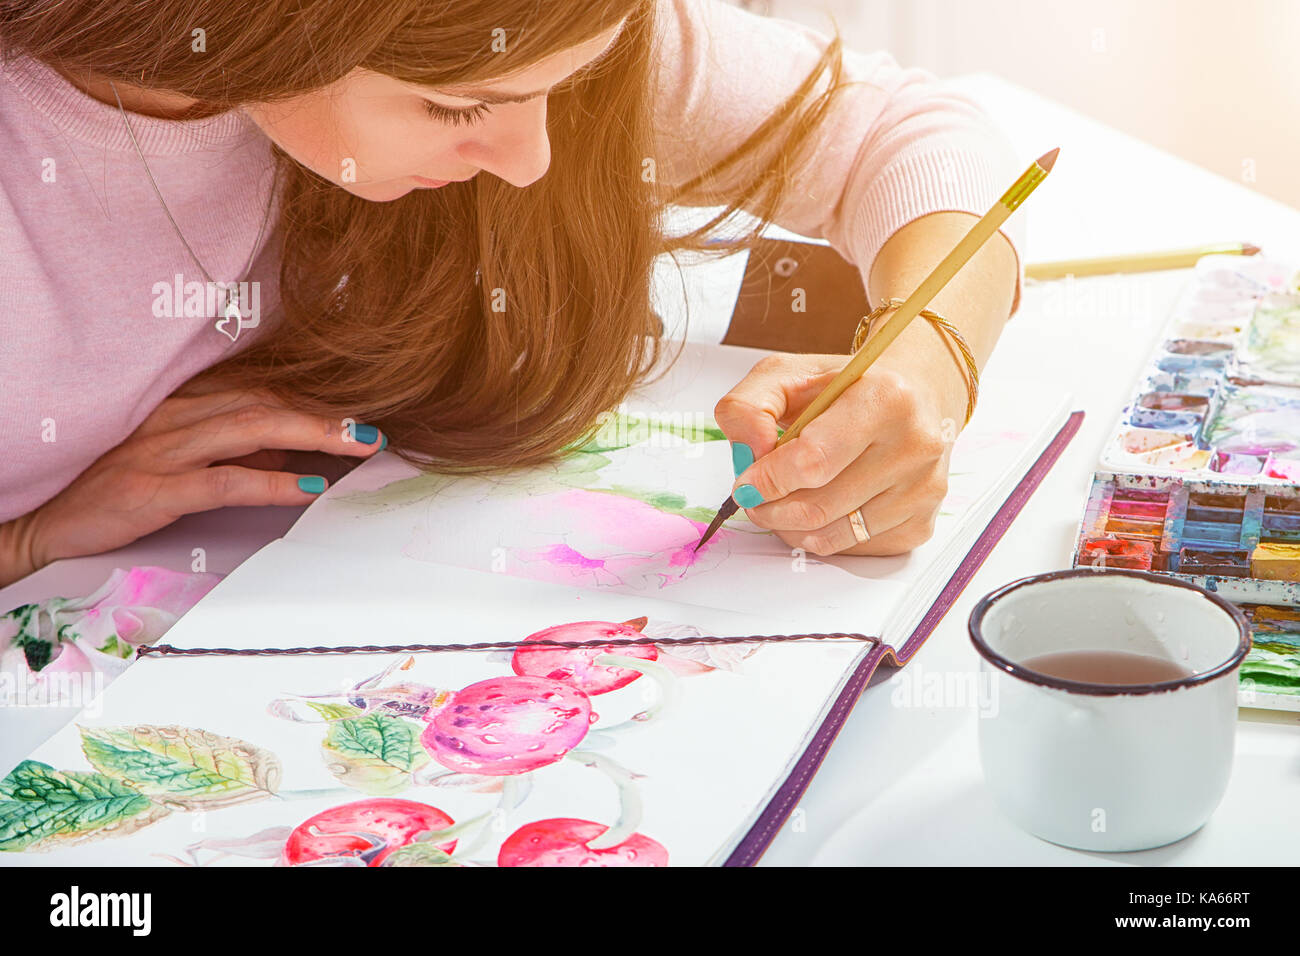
193	453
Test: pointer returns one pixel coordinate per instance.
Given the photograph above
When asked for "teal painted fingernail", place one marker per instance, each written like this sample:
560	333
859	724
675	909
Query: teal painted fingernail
312	484
747	496
742	456
385	444
366	434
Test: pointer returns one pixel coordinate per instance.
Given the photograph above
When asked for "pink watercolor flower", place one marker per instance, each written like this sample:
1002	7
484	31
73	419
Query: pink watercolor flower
563	842
577	668
610	539
44	644
508	725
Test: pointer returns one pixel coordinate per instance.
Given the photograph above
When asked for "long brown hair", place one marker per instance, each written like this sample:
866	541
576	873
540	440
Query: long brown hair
479	325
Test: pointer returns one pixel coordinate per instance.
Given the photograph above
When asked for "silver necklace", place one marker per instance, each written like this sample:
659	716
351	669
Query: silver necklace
231	311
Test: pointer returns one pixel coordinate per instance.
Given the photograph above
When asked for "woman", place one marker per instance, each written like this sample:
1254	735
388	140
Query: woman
332	225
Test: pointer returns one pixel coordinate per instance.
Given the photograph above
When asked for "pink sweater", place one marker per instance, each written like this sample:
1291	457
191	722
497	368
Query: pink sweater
93	335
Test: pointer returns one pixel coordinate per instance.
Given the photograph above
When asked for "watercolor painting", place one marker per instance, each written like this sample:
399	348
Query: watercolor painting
397	749
625	511
584	521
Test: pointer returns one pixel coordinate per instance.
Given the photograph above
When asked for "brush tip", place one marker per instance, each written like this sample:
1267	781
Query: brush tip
1048	160
1250	249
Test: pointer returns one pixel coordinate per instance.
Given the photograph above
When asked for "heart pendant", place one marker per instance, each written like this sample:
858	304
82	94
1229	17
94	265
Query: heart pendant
231	322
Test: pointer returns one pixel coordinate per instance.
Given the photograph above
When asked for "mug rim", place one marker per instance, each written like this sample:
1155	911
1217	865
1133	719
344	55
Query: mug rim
984	605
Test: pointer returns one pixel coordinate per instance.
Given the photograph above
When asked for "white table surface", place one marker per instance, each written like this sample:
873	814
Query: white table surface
902	784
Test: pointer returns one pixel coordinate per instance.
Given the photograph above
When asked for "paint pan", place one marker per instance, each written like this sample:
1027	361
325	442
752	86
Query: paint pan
1276	561
1183	355
1246	466
1171	411
1224	564
1117	553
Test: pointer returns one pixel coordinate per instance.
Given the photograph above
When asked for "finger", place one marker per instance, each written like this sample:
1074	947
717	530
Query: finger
880	469
771	396
882	514
875	409
838	537
268	459
253	428
178	411
908	536
827	446
205	489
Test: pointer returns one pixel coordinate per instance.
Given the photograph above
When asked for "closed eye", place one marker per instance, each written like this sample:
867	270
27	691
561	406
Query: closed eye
463	116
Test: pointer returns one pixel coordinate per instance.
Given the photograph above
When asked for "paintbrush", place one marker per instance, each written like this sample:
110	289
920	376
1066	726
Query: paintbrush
862	359
1136	262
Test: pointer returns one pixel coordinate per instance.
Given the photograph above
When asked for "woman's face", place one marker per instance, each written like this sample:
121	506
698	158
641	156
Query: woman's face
379	138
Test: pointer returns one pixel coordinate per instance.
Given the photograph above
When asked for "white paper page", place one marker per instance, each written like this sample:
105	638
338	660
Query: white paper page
691	778
627	520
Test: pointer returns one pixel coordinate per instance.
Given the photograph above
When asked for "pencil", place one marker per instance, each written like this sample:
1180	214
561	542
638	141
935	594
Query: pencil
862	359
1136	262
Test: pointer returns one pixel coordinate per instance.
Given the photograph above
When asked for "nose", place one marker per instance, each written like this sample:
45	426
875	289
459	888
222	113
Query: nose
517	149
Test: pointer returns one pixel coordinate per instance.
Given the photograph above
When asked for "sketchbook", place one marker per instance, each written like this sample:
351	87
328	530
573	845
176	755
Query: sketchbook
646	755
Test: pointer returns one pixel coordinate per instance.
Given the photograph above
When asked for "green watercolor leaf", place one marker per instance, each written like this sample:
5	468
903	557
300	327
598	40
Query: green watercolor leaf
621	430
117	648
37	650
418	854
582	462
333	711
397	494
375	753
42	808
38	653
669	502
183	766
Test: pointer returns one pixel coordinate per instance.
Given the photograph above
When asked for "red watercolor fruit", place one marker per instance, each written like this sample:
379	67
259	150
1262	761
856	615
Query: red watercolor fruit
368	829
577	667
508	725
563	842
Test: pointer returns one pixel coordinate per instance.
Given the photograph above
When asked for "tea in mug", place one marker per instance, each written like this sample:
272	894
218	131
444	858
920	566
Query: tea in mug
1107	667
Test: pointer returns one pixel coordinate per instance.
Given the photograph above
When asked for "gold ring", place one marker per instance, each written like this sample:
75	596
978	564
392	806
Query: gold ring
859	526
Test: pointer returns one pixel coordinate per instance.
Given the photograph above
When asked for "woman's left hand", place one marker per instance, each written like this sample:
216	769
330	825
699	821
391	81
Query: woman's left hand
882	446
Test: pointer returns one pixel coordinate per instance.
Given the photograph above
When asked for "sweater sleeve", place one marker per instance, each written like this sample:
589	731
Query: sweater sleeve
895	146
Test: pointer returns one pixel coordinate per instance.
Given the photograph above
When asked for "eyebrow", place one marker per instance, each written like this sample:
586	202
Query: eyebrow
497	99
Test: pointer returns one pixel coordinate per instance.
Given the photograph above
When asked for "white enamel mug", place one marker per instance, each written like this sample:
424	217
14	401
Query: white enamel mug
1108	766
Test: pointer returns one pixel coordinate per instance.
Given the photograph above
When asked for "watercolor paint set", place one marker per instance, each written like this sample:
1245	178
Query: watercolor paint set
1201	476
1221	395
1240	539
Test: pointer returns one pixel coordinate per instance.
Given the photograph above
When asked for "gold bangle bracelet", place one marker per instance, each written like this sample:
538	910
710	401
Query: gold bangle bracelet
970	372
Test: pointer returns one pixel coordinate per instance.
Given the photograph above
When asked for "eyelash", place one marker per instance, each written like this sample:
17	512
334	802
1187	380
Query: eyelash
462	117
